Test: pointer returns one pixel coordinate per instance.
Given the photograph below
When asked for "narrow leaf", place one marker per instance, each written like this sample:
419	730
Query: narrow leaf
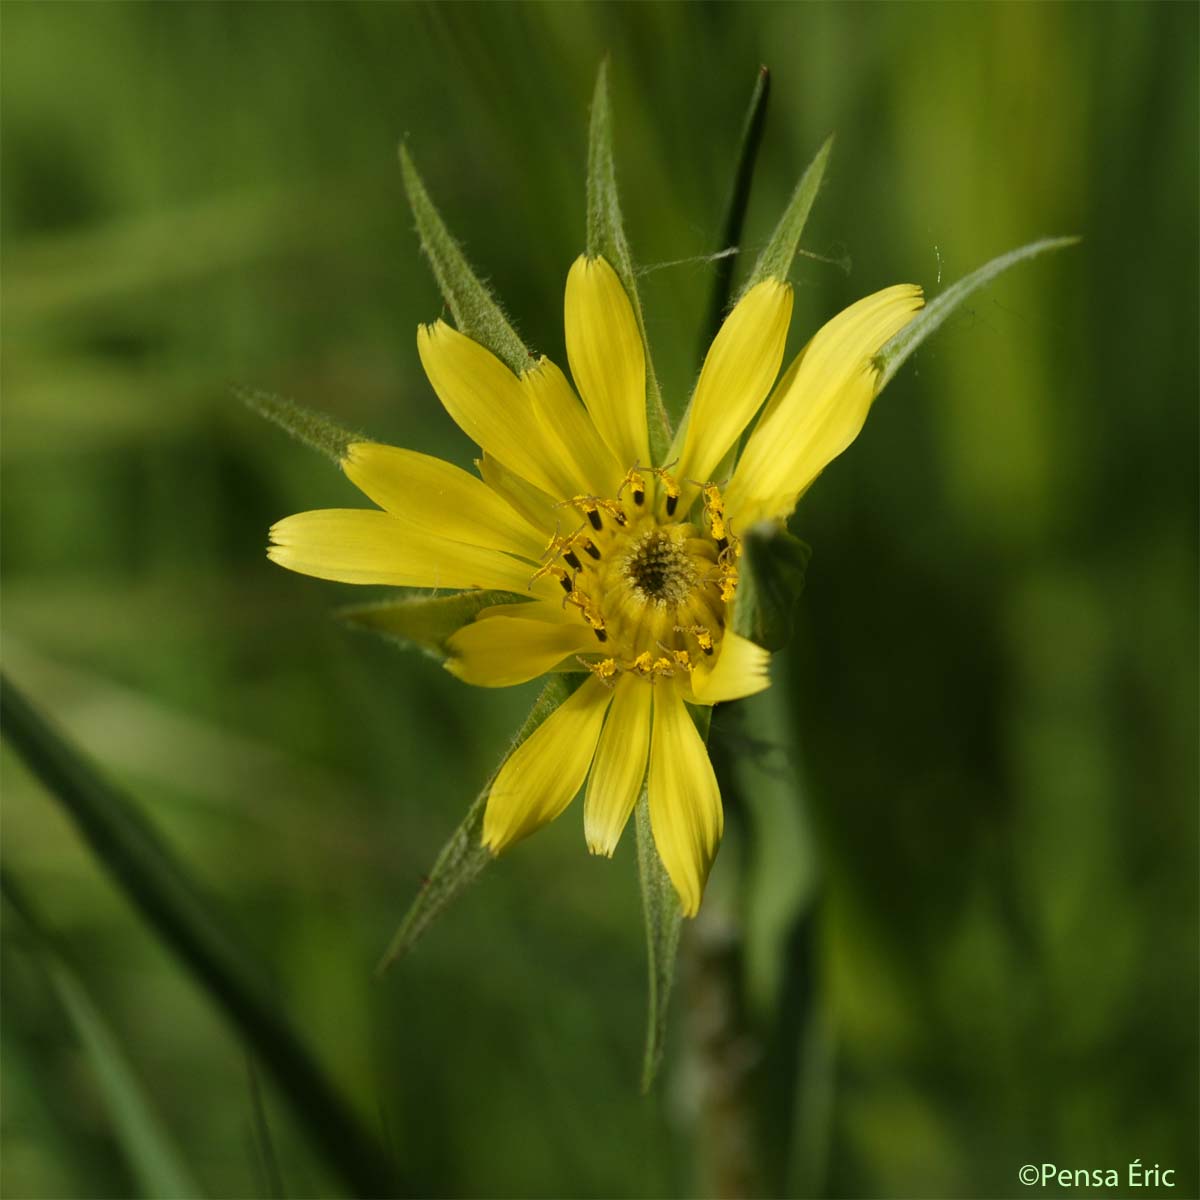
148	1148
772	578
426	622
475	310
161	888
464	856
263	1142
735	208
896	352
606	238
776	260
663	922
314	429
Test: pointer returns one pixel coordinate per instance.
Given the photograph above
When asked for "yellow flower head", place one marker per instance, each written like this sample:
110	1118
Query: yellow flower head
632	566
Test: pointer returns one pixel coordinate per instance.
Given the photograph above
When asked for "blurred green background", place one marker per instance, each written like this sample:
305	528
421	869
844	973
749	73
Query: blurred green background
990	698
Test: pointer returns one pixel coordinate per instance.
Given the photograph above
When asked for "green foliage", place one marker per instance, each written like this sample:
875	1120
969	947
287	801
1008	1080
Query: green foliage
314	429
776	259
464	856
426	622
476	312
142	865
152	1156
264	1143
606	238
929	319
772	577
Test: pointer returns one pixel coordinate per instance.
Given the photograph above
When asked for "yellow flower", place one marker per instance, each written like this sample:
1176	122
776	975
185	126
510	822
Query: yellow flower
632	567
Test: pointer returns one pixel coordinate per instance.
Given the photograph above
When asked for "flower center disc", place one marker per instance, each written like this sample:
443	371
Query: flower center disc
654	591
659	570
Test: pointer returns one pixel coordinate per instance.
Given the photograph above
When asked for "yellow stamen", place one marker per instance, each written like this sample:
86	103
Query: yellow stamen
704	638
590	613
550	568
592	506
634	481
606	670
728	568
670	487
714	510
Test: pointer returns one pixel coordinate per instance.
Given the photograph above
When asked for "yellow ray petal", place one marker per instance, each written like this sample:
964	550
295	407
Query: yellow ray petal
685	805
740	670
819	406
592	468
487	402
536	506
616	779
541	776
360	545
439	497
738	372
608	361
504	650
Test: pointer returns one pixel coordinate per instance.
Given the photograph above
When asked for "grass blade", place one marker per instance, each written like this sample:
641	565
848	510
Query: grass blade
161	888
263	1142
735	208
893	356
152	1157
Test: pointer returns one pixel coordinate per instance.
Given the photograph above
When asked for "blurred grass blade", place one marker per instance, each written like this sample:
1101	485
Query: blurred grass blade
475	310
893	356
426	622
735	209
152	1157
161	888
663	922
263	1142
776	259
464	856
606	238
314	429
772	578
